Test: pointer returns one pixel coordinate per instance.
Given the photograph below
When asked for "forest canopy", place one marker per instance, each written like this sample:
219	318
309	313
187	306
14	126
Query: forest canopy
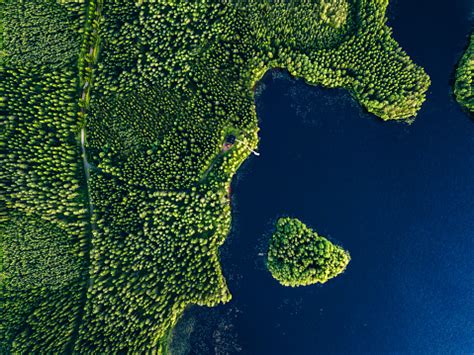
114	118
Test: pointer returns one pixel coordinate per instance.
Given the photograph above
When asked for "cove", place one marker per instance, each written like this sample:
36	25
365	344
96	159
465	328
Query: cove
398	197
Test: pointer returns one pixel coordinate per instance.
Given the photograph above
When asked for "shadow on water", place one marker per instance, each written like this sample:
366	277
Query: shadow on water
399	197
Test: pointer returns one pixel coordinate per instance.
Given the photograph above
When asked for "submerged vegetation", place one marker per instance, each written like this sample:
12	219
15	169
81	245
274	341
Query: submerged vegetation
298	256
464	82
156	87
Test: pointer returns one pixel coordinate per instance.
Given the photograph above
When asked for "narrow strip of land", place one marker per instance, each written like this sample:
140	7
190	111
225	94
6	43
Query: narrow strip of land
86	169
88	59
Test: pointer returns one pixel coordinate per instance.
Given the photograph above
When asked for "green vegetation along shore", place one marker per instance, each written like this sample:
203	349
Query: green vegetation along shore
464	81
298	256
155	88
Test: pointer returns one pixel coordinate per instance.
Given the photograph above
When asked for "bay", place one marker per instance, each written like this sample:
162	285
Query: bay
399	197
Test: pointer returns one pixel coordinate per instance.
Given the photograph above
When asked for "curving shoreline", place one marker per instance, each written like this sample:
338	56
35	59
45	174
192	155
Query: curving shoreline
159	204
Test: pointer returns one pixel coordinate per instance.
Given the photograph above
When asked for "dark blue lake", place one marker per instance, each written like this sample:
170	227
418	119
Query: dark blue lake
399	197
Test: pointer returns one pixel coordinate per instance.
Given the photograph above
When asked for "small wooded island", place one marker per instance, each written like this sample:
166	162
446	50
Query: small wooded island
464	83
298	256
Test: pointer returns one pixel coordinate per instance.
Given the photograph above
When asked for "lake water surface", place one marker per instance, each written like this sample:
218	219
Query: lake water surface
399	197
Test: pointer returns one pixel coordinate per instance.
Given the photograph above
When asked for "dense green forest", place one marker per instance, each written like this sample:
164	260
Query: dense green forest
298	256
103	252
464	81
44	220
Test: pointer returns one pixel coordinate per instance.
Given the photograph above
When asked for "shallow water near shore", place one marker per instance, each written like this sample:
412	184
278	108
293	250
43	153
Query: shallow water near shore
398	197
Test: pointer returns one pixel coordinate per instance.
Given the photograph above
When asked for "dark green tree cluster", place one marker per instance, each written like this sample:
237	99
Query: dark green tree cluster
39	33
158	85
43	212
144	278
464	82
40	285
298	256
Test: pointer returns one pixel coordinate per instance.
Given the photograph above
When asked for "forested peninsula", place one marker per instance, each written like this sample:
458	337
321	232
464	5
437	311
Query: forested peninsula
114	165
